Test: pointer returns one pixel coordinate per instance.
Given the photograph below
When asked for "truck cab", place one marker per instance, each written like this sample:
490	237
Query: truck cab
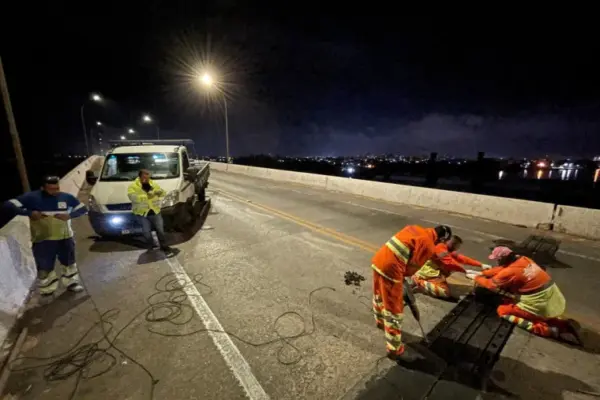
184	184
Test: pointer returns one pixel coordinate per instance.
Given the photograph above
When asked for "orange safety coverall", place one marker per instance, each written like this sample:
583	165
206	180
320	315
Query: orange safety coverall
534	302
431	278
400	256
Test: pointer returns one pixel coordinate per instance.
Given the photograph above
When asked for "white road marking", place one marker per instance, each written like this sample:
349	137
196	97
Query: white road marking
579	255
231	354
374	208
464	229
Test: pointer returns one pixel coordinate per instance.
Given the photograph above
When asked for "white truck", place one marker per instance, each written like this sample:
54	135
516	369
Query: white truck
168	161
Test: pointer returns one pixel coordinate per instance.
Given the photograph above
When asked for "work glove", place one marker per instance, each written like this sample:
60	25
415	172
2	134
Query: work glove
485	266
472	274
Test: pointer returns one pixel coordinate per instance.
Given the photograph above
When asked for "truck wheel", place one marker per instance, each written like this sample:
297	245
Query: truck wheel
185	217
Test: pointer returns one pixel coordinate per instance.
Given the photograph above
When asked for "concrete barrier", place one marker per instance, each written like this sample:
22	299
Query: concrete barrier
71	182
17	267
577	221
513	211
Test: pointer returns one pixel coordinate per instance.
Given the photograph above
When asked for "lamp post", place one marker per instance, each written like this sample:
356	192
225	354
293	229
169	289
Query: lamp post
147	119
95	97
208	81
12	127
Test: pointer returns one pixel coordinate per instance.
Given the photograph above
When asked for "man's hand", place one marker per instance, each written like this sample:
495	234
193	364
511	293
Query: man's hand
62	217
159	193
36	215
485	266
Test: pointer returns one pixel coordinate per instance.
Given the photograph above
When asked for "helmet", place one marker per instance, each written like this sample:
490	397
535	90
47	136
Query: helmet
443	232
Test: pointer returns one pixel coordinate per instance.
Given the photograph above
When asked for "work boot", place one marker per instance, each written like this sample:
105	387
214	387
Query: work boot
571	334
75	288
169	251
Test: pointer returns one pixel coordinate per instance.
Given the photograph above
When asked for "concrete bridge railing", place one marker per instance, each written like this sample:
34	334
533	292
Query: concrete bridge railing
17	266
571	220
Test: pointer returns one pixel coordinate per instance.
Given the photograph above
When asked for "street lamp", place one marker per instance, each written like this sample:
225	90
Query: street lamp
95	97
147	119
207	80
130	131
122	137
98	123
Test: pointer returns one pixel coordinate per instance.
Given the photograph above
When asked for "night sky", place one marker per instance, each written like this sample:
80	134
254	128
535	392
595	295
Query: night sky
305	84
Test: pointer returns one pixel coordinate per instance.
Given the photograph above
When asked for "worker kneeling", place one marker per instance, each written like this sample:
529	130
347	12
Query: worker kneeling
431	278
400	257
533	301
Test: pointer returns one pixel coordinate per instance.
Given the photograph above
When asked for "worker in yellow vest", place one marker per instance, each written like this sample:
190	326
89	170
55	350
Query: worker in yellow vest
146	198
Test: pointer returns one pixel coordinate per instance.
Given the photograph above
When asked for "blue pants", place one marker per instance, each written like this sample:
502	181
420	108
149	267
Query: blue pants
46	252
153	221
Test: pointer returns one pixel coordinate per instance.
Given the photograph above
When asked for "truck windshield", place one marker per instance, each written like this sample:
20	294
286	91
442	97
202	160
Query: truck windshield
125	167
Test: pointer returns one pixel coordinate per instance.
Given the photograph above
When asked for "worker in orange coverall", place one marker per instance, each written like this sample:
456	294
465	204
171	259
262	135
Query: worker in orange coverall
400	257
431	278
533	301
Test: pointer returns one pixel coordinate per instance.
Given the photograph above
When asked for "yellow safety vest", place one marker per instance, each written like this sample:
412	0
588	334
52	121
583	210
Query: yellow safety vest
141	201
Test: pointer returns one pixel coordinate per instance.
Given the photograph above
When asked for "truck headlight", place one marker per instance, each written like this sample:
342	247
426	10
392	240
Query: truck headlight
170	199
93	204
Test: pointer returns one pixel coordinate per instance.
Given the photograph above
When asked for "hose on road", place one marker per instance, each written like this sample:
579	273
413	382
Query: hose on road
90	358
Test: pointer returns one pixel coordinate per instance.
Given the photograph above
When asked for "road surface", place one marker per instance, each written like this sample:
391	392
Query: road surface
268	267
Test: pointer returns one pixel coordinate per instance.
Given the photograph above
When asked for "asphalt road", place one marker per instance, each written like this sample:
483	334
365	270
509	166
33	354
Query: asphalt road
268	267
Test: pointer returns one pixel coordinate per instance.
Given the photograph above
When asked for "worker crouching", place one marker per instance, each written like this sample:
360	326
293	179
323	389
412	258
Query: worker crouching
533	301
398	258
431	278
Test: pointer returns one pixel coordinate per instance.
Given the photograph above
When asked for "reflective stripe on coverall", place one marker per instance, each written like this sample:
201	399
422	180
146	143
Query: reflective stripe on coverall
400	256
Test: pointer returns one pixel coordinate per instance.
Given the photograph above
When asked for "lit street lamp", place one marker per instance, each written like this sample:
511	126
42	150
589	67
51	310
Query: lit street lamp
122	137
147	119
207	80
130	131
98	123
96	98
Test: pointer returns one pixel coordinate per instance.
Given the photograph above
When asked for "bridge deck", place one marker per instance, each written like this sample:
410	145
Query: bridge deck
268	267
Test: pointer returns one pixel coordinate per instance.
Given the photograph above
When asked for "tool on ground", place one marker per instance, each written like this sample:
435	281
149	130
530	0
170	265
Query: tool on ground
411	302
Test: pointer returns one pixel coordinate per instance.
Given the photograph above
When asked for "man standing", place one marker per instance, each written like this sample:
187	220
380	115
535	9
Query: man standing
145	196
431	278
400	257
50	212
533	301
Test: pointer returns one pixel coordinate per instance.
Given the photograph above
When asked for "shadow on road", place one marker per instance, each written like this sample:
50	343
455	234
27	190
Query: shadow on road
433	378
43	317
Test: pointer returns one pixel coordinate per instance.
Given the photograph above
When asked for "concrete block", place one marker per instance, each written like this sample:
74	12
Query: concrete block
578	221
18	271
